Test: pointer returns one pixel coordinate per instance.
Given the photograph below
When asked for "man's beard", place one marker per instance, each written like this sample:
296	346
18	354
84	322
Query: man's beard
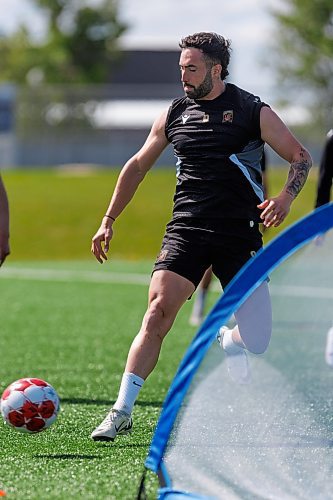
204	88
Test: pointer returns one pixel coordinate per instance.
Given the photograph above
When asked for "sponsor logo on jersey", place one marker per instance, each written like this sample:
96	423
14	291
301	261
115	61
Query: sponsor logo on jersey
185	118
228	116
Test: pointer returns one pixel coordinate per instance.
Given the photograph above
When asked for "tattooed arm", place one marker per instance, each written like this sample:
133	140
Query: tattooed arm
279	137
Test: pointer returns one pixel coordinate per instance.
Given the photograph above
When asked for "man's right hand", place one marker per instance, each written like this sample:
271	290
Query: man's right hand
275	210
101	241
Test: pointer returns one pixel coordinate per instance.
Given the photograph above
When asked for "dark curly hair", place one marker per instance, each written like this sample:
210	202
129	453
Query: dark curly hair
216	49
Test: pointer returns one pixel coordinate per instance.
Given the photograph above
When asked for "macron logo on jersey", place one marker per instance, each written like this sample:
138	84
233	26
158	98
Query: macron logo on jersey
185	118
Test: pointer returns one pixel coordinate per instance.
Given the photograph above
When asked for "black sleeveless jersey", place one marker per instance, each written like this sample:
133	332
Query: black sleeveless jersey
218	147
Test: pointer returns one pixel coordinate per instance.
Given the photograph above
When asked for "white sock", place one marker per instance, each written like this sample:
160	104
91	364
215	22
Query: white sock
229	345
129	389
199	303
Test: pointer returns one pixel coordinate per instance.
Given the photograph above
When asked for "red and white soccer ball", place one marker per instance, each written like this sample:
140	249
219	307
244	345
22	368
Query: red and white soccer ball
29	405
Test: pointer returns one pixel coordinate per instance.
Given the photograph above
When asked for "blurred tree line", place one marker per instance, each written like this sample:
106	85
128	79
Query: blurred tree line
80	45
303	50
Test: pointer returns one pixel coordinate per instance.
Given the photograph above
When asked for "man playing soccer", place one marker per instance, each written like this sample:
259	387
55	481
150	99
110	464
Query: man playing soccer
218	133
4	224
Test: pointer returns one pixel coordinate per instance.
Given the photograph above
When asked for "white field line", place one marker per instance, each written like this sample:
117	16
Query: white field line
312	292
294	291
65	275
71	275
37	274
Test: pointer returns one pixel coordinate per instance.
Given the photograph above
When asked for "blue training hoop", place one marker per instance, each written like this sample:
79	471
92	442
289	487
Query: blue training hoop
239	289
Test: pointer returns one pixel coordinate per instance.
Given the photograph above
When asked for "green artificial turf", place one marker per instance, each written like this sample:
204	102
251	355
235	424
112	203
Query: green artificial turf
72	326
75	334
55	212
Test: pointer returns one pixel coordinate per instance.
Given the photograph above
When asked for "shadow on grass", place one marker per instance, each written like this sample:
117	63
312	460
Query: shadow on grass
106	402
73	456
117	446
67	456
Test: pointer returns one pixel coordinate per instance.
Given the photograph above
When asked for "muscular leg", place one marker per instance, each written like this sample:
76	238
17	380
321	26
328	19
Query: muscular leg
167	293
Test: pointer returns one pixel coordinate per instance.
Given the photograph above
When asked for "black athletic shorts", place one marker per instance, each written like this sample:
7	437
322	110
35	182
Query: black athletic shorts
190	246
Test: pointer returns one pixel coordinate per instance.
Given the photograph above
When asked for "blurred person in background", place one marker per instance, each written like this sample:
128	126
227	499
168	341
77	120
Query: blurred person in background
4	223
218	132
325	173
323	196
198	310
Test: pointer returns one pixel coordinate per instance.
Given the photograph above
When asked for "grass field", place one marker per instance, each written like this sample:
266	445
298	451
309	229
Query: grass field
71	332
54	213
70	321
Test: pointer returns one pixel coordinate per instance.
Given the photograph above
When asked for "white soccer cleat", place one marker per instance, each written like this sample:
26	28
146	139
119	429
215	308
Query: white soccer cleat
236	358
115	423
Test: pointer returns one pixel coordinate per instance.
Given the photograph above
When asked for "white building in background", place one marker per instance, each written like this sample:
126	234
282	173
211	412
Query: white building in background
47	125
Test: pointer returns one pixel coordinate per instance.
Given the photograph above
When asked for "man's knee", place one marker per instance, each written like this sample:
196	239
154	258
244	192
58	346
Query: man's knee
157	309
158	318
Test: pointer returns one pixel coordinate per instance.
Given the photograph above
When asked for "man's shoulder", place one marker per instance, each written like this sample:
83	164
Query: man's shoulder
177	107
241	95
179	101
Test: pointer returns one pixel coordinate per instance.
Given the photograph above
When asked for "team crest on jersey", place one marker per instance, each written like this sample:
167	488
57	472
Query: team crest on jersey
228	116
185	118
205	118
